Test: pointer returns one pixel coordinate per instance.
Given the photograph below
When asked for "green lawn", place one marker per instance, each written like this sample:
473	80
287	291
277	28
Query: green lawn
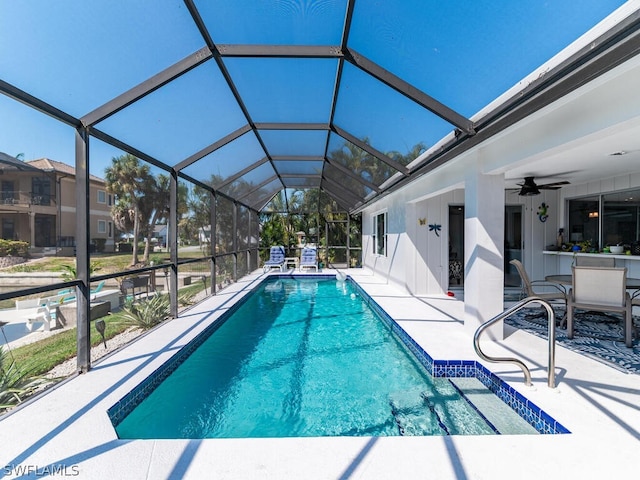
104	263
40	357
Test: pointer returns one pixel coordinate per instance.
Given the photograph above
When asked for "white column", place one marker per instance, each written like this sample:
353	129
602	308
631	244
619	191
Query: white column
484	251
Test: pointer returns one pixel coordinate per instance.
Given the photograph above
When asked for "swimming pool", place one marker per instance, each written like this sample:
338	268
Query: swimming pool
313	357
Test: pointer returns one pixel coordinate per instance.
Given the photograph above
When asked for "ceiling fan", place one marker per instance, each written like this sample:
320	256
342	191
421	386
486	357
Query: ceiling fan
530	188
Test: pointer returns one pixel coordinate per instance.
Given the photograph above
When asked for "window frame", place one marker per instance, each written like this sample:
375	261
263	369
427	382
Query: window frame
102	223
104	197
379	233
600	216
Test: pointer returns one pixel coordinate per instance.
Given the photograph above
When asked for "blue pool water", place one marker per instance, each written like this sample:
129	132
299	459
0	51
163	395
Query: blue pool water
309	357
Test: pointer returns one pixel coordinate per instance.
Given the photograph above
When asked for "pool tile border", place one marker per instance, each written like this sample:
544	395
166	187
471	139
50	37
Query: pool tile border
535	416
529	411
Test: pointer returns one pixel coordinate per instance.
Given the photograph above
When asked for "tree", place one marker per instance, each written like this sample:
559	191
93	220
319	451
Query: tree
127	179
156	204
199	217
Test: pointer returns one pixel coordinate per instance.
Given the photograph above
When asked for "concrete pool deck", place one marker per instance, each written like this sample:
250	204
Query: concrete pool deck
66	432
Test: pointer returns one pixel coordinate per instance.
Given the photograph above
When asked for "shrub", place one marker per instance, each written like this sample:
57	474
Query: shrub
99	243
146	313
125	247
15	248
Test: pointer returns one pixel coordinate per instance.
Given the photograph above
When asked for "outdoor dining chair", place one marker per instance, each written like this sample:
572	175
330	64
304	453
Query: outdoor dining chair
600	289
594	261
558	295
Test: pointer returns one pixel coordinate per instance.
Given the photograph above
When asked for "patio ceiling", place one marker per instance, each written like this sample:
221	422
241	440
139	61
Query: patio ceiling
259	100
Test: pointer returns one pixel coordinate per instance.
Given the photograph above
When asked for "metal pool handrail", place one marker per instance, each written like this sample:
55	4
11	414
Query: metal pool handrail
551	382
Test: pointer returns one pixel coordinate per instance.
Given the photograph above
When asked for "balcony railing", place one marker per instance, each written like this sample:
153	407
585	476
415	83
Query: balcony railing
8	197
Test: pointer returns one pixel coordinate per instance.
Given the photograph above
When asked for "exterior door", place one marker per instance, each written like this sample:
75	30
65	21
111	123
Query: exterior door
512	244
45	230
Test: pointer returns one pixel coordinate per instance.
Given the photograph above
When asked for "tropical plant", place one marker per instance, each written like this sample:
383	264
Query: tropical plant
146	313
186	299
127	178
15	385
70	273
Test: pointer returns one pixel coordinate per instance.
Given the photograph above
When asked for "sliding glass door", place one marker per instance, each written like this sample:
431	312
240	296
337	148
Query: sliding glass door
512	244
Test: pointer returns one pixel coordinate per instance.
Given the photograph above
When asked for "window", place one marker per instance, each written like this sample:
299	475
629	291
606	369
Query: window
110	232
110	200
608	219
8	229
40	191
102	196
380	234
102	226
8	194
621	218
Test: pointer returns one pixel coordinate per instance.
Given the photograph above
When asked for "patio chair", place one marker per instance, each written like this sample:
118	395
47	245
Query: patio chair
587	261
276	259
308	259
35	311
601	289
560	295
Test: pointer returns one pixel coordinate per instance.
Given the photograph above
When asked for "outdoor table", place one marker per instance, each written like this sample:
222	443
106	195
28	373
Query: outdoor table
293	261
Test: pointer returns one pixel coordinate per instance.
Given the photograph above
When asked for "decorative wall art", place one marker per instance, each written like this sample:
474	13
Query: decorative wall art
543	212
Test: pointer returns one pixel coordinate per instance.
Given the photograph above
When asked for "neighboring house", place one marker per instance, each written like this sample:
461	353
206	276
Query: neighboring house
37	205
160	233
204	235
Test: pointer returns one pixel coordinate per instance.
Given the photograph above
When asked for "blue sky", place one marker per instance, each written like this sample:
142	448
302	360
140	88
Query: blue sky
77	55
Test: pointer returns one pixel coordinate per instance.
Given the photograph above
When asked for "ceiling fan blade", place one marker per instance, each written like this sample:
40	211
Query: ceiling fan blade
553	186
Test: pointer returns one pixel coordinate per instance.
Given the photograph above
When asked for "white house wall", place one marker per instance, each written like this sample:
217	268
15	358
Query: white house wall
390	266
427	250
594	114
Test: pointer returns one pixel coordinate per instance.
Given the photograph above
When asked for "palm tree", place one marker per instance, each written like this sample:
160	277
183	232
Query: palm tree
155	206
126	179
199	209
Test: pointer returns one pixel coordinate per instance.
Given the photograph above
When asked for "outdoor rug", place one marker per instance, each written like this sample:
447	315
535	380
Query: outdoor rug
597	336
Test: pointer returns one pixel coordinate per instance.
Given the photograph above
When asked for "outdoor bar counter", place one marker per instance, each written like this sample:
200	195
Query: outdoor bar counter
564	261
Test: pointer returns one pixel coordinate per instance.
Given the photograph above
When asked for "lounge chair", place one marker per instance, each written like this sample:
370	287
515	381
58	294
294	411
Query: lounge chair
308	259
36	311
276	259
96	290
